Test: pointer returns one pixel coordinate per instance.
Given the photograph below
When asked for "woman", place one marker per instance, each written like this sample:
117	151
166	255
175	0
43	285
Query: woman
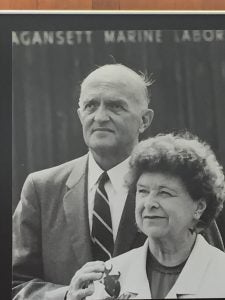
179	189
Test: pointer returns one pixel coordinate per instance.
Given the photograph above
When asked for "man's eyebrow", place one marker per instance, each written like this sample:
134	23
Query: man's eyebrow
116	101
87	100
110	100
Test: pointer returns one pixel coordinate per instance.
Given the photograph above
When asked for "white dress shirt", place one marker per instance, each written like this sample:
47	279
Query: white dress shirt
115	189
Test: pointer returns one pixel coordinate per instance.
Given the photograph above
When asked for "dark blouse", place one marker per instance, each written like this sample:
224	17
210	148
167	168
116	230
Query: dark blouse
161	278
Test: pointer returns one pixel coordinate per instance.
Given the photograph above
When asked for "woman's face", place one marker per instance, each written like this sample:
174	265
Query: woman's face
164	208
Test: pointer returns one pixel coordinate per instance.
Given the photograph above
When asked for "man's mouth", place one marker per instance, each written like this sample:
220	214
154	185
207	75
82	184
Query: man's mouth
103	129
153	217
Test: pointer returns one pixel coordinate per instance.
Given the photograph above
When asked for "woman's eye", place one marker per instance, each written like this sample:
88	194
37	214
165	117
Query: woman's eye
142	191
165	193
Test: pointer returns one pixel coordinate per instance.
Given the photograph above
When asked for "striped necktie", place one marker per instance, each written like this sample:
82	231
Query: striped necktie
102	234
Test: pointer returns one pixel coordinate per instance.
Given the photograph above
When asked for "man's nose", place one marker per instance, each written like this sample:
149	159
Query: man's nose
101	114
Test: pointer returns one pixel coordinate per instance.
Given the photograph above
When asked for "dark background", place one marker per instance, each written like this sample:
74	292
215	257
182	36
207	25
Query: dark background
188	92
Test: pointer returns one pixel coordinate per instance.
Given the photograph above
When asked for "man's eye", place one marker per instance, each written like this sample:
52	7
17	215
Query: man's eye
116	106
90	105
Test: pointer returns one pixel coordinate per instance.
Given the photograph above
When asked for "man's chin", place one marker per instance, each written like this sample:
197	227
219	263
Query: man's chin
102	146
102	134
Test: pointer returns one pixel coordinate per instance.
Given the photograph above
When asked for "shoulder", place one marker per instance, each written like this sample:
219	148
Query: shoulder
212	270
50	185
54	179
216	256
57	173
202	243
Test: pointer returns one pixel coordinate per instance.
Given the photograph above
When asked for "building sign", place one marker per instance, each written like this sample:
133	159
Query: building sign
71	38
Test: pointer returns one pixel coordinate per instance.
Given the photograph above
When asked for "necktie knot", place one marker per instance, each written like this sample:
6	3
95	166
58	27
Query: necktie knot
103	178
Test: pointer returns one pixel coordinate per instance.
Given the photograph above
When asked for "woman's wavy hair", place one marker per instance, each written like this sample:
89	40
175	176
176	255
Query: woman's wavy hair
185	156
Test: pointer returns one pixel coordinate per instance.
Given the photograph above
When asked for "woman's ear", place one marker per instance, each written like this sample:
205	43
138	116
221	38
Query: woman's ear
200	208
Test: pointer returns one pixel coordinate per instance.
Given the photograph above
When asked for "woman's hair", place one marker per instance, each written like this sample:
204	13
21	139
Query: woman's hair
185	156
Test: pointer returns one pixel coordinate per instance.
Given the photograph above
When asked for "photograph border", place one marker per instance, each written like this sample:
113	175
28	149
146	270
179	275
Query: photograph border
65	20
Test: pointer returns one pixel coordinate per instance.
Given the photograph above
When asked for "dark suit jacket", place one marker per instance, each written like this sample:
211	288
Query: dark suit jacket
51	236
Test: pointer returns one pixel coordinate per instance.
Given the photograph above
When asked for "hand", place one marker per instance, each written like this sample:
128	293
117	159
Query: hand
81	284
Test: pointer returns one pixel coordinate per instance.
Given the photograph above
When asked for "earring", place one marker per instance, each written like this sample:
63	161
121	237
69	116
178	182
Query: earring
196	215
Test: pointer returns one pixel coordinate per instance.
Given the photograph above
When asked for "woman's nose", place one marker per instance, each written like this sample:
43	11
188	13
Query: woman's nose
151	201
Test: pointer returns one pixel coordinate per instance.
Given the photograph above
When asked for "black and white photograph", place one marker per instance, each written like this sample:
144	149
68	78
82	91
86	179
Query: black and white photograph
118	159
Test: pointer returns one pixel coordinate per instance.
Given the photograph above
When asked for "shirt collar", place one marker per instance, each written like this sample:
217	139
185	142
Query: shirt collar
94	171
116	174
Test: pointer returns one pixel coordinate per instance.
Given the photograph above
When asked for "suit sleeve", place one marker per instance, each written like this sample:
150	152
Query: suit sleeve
28	277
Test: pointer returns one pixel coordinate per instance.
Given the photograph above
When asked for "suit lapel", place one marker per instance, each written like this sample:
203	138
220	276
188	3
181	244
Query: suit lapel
76	211
128	235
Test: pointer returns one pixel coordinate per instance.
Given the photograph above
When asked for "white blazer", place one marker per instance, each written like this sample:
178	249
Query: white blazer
203	275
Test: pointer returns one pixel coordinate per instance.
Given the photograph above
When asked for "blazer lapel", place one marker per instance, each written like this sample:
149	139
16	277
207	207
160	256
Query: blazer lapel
135	281
76	211
128	235
189	280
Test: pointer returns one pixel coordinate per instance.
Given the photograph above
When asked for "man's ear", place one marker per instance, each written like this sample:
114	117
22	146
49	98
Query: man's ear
147	117
79	114
200	208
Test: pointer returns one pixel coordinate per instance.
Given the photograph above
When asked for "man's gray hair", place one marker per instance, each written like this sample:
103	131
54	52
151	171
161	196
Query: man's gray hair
144	79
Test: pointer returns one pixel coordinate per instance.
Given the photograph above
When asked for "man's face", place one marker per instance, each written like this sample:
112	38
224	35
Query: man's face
111	114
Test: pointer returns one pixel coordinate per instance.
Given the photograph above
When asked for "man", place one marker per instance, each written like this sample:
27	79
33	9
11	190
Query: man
55	231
